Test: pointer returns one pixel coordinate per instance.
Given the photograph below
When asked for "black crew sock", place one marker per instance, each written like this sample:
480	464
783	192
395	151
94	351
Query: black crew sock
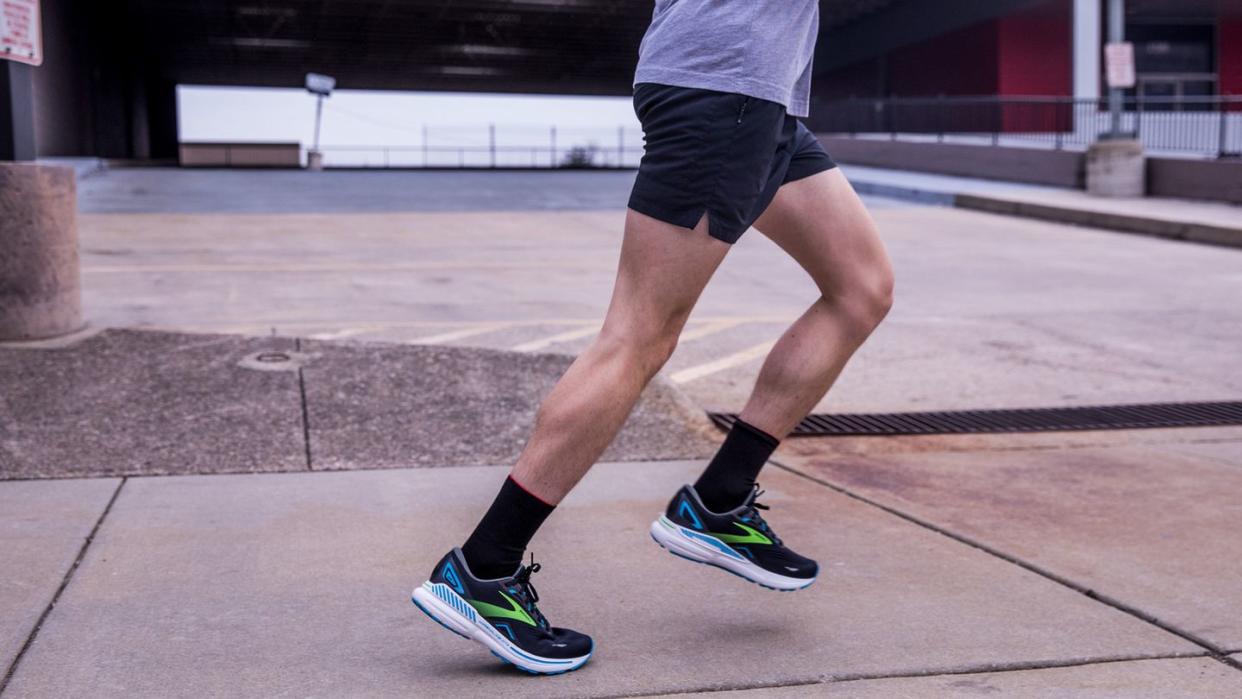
730	477
495	548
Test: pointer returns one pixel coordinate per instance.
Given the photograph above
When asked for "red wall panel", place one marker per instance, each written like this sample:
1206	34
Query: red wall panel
959	63
1036	51
1230	43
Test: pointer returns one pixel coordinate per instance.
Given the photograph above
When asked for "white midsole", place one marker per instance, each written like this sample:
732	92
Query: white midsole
690	544
479	630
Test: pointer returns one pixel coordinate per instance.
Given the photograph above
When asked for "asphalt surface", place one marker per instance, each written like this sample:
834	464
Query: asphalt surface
991	312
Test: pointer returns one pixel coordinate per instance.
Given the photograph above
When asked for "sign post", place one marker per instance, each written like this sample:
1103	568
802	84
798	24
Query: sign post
1119	68
21	47
321	86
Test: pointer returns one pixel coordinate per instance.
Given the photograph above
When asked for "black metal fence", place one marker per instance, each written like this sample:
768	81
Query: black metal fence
500	146
1207	126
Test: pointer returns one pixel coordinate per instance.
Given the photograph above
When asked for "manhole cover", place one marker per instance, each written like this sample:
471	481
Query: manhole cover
274	360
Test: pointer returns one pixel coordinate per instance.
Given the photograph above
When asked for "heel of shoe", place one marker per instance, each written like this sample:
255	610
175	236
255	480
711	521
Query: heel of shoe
668	536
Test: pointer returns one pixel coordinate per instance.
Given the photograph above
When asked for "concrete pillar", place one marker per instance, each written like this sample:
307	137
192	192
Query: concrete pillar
40	287
1116	168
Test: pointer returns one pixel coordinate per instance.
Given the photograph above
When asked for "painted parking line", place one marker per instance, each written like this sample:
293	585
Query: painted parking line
727	362
458	334
339	334
566	336
709	328
333	268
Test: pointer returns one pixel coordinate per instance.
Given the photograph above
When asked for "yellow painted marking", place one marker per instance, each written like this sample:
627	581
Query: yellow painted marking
709	328
726	362
339	334
458	334
566	336
336	268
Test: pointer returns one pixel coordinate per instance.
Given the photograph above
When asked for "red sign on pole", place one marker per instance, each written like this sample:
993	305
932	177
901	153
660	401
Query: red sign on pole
21	37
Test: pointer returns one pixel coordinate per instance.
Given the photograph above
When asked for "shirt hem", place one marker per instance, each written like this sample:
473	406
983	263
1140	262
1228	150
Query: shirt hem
721	83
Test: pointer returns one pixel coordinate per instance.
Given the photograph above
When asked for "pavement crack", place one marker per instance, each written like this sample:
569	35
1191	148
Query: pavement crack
34	631
306	436
1216	651
1018	666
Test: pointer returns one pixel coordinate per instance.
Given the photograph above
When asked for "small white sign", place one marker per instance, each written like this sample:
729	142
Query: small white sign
1119	60
316	83
21	37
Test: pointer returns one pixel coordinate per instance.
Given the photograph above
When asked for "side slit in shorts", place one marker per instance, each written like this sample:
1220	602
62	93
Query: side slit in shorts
719	154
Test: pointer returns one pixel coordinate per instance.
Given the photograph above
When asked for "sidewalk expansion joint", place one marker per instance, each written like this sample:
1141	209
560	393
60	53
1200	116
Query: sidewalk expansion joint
306	437
1216	651
1017	666
64	582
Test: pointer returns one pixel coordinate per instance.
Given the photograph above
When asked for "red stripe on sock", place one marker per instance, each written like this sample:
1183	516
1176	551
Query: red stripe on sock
527	491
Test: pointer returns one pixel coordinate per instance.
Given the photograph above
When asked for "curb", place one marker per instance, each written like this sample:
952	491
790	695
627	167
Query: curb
1202	233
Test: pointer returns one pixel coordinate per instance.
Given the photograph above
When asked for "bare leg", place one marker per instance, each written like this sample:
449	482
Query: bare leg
662	272
824	226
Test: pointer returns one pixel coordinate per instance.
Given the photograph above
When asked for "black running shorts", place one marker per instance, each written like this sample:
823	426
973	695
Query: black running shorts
717	153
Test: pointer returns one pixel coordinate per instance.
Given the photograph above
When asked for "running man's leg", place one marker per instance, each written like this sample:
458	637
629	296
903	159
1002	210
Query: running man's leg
823	225
821	222
662	272
661	275
481	591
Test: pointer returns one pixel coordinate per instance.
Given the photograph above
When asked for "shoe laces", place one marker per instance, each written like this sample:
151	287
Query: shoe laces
525	593
751	514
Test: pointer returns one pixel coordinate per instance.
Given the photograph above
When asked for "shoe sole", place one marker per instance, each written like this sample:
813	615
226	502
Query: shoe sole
702	548
450	610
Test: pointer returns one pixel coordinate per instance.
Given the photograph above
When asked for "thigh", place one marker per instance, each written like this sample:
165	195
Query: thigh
661	275
822	223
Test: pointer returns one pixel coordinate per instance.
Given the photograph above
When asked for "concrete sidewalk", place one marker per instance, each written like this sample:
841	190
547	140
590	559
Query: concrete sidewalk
1110	571
1177	219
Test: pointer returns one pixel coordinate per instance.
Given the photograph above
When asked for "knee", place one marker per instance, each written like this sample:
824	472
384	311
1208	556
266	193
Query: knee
647	349
867	298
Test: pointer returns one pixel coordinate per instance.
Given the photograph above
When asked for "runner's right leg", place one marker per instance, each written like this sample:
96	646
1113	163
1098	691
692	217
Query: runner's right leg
482	591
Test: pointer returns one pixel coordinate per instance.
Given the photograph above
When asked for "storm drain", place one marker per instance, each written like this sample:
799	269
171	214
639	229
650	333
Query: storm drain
1103	417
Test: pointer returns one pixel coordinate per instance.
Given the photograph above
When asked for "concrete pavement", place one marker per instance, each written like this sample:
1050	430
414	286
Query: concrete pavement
991	311
126	402
297	584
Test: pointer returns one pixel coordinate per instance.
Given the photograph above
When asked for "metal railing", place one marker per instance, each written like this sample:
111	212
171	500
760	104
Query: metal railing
500	146
1204	126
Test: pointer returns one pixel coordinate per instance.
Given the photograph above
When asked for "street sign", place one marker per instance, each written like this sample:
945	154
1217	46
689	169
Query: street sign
316	83
21	37
1119	59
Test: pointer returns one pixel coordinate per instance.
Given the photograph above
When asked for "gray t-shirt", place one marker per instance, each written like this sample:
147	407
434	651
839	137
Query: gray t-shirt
758	48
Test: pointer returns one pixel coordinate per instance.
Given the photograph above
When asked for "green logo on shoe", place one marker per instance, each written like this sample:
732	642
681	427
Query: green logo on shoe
752	536
491	610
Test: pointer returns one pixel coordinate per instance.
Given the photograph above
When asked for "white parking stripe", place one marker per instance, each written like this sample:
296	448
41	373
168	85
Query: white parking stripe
457	334
339	334
552	340
709	328
727	362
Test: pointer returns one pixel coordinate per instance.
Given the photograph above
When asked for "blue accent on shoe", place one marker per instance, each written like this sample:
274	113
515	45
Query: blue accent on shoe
685	510
746	551
450	574
424	610
711	541
502	625
713	565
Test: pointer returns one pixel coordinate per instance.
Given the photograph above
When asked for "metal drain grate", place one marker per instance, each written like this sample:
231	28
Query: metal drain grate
1103	417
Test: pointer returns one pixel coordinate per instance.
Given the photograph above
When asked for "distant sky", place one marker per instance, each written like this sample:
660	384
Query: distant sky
379	118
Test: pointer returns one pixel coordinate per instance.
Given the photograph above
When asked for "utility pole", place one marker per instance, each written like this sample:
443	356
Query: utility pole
1116	35
321	86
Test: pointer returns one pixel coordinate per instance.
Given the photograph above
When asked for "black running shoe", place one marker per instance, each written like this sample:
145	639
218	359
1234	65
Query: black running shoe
501	614
738	541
